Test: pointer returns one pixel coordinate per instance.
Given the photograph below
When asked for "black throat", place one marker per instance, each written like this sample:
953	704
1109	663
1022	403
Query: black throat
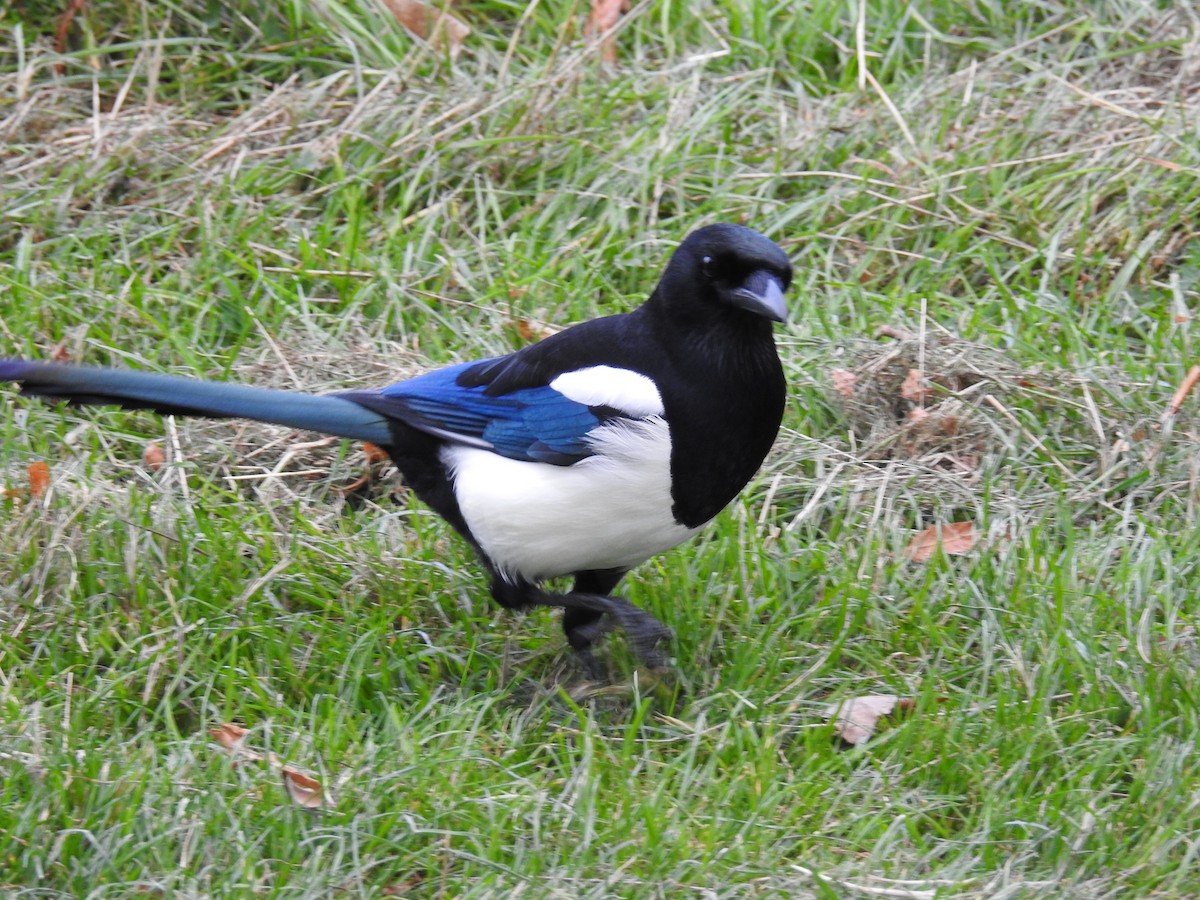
724	397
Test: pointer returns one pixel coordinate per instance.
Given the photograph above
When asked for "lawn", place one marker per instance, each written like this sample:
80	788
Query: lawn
994	214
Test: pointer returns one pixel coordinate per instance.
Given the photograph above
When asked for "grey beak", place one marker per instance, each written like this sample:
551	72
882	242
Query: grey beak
762	293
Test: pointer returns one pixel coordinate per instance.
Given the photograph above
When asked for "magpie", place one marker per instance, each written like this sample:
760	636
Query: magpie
582	455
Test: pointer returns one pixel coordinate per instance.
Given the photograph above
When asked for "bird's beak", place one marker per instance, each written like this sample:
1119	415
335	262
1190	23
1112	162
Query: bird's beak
762	293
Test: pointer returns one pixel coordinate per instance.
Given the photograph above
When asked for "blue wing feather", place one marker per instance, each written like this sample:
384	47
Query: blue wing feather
535	424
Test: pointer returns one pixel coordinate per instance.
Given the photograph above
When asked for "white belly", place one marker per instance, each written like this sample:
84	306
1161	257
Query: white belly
609	511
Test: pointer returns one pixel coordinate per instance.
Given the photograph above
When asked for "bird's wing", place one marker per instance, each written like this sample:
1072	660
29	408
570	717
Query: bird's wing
548	423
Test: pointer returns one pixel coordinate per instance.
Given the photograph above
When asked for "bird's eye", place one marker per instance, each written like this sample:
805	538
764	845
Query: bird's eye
706	266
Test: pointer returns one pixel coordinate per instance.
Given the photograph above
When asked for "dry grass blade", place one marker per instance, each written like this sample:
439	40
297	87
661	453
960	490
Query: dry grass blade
63	29
914	400
1181	394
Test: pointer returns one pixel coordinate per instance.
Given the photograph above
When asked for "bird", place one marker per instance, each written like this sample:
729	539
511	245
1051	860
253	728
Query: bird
582	455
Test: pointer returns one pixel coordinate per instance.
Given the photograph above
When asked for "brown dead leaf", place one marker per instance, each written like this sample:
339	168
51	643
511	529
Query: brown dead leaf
232	737
893	331
954	538
603	17
534	331
434	25
228	735
304	790
374	453
855	719
39	479
403	888
914	389
843	382
301	787
153	456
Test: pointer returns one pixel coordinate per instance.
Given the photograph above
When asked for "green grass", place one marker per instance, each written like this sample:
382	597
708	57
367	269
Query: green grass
309	198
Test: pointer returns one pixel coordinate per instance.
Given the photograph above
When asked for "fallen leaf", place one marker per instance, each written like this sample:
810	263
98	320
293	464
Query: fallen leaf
433	25
604	16
304	790
228	735
954	538
534	331
374	453
232	738
914	388
892	331
301	787
855	719
402	889
154	457
843	382
39	479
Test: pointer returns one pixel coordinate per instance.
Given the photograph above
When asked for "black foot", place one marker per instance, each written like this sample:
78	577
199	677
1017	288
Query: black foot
587	616
645	633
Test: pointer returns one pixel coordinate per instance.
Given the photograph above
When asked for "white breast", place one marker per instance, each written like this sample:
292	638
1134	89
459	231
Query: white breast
609	511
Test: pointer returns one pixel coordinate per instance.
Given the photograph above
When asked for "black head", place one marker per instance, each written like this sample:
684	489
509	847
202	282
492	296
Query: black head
721	268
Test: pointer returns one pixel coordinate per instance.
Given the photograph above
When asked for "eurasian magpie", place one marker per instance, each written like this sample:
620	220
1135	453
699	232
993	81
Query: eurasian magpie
582	455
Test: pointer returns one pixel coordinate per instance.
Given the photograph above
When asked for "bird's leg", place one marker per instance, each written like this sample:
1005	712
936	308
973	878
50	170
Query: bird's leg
586	612
643	631
583	627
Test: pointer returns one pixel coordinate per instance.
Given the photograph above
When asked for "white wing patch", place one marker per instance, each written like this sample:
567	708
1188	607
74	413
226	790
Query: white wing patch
609	511
622	389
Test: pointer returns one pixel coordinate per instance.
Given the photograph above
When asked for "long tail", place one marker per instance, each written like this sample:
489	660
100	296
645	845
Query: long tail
174	395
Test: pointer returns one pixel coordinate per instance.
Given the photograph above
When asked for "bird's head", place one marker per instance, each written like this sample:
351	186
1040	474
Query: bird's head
722	268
